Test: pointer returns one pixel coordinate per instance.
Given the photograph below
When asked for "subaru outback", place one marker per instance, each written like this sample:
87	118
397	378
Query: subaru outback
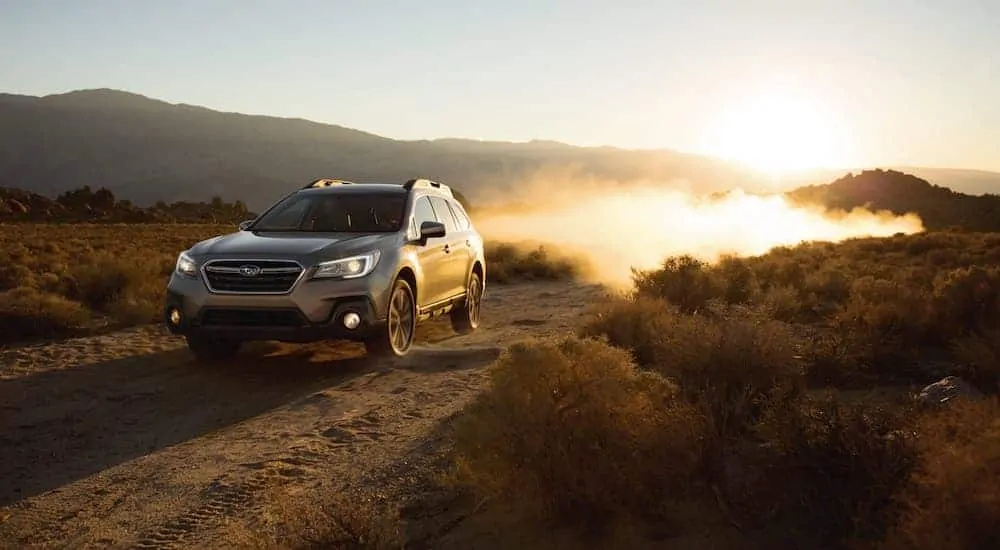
333	260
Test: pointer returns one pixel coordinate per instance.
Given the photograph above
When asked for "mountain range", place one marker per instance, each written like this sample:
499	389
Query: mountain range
146	150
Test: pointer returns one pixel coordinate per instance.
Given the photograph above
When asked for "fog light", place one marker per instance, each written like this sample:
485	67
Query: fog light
352	320
175	316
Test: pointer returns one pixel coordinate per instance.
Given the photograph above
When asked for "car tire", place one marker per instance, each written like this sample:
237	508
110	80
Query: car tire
465	317
396	336
210	350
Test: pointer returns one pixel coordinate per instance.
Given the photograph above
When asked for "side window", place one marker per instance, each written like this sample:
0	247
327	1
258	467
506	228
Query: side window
443	212
460	217
422	212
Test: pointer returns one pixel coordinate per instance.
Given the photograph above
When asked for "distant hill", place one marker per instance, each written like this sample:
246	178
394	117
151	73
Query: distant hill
899	192
146	150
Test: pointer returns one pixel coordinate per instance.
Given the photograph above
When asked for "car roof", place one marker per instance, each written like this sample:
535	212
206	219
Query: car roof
354	188
357	188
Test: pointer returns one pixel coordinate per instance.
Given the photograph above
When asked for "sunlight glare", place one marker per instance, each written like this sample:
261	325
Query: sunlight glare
779	130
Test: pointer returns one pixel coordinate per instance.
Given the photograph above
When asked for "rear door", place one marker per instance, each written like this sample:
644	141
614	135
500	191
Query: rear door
432	256
457	255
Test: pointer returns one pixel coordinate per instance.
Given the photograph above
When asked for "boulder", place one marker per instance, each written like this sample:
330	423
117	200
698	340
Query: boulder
947	389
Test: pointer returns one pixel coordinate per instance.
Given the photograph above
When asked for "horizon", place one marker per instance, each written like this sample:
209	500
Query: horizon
807	173
777	88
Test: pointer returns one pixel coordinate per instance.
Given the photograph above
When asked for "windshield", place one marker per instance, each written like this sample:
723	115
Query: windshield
336	213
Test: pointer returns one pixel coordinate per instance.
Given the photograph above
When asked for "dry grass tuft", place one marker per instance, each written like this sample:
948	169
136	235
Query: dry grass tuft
329	522
26	313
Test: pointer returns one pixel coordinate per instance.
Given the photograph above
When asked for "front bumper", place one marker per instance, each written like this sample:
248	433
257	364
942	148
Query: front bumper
310	312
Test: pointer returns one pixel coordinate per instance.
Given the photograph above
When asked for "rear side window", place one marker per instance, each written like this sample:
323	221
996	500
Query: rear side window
444	214
460	218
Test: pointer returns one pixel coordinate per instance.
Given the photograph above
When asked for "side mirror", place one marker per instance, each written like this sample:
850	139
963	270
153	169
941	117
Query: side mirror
245	224
431	230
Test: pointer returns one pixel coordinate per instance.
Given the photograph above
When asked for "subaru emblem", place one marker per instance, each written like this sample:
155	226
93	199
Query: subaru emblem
249	270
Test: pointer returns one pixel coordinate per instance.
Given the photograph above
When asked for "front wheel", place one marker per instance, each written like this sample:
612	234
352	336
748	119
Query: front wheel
396	337
465	319
213	349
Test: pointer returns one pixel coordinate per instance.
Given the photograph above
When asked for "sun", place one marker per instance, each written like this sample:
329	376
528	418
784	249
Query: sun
778	130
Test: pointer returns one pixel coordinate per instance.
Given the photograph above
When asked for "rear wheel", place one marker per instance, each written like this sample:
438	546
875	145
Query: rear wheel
213	349
397	335
465	318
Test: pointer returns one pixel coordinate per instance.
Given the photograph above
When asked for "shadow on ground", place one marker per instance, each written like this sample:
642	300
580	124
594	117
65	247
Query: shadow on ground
64	424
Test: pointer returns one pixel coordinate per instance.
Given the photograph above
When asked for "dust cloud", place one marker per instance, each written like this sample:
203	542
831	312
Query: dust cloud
641	226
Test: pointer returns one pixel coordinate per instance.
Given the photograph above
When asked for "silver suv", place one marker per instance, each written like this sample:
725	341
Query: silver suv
332	260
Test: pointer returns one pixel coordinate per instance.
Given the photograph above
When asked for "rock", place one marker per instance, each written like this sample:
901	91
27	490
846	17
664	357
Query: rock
946	390
17	206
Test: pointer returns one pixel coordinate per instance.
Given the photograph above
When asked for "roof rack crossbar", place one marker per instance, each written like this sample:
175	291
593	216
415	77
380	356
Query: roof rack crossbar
327	182
424	183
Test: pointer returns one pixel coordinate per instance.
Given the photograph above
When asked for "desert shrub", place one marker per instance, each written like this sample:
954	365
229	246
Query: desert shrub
782	302
832	359
886	322
951	501
330	521
729	365
833	468
737	279
507	263
977	358
27	314
967	299
14	275
105	279
574	432
640	326
685	281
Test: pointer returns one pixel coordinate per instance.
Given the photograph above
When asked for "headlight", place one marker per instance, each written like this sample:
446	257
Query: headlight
348	268
186	266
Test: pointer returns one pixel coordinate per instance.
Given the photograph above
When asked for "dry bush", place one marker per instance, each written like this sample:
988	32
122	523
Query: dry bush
834	359
832	468
572	431
26	314
967	299
333	521
729	365
978	359
684	281
105	279
952	500
506	263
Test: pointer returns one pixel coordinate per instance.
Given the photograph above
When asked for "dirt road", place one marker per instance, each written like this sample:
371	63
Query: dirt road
121	440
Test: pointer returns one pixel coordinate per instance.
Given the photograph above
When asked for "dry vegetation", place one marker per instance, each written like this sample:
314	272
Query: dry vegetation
59	280
727	394
722	394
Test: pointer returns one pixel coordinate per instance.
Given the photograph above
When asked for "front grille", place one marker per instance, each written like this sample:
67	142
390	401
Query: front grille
245	317
252	276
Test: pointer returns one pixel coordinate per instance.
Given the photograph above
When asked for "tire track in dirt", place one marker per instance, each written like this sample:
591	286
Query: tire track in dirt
149	450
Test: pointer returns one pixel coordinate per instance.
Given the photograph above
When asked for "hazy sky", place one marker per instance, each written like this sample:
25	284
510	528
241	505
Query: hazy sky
905	82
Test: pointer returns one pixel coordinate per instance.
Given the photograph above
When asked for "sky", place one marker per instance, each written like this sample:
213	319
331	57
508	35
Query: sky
775	83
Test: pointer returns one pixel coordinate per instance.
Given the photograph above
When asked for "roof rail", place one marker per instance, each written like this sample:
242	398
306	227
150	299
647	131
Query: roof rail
424	183
327	182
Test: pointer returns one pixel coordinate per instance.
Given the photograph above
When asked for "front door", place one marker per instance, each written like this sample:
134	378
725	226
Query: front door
432	256
457	253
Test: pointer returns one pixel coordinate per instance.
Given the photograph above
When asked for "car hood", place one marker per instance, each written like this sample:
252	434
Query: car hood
304	247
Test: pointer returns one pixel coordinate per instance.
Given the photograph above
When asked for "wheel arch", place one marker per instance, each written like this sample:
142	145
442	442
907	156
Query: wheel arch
407	274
